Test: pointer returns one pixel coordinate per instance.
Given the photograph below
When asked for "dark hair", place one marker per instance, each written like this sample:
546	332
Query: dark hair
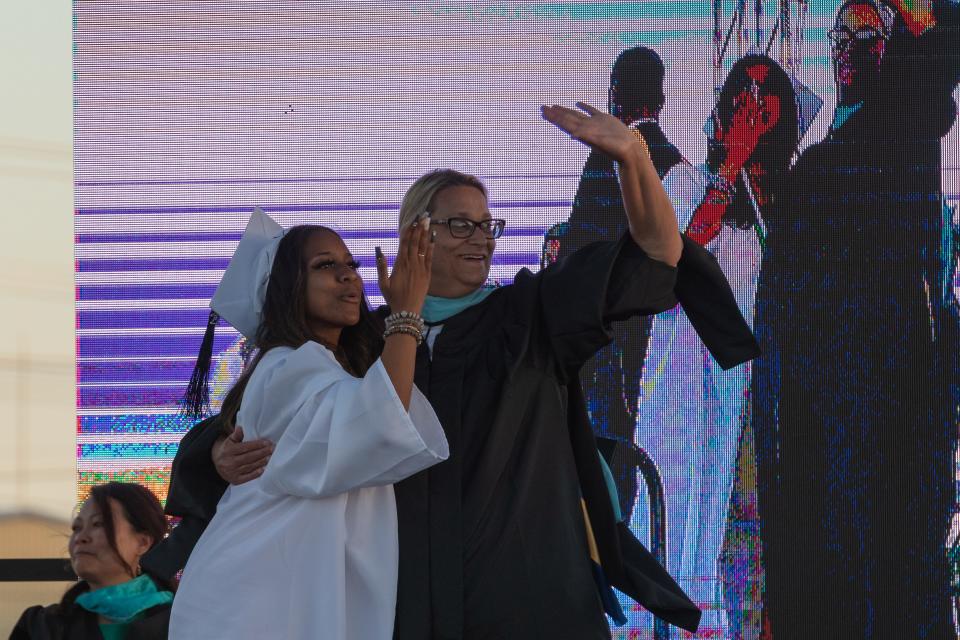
636	83
284	320
141	509
776	148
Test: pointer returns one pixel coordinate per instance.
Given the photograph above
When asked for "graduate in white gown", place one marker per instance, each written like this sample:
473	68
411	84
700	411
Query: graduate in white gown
692	411
309	549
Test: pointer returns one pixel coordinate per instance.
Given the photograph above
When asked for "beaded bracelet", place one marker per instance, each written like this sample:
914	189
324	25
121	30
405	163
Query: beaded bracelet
405	328
405	317
419	326
410	330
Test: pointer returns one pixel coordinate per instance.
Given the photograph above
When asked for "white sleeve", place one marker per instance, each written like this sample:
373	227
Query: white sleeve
686	186
335	433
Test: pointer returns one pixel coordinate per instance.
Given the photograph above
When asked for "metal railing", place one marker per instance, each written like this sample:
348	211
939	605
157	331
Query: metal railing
36	570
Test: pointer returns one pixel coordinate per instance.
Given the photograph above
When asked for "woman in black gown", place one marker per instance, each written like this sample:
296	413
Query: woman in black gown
493	542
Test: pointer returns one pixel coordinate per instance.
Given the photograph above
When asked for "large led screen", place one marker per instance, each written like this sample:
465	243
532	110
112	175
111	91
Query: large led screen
190	114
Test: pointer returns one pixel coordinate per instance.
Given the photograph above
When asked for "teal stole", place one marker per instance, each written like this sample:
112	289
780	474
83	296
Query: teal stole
123	603
437	309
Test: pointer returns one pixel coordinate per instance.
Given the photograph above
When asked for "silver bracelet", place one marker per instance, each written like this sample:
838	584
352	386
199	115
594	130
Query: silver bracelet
408	329
405	317
406	323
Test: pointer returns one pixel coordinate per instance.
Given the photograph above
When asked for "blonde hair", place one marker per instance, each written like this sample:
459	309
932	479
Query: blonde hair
419	196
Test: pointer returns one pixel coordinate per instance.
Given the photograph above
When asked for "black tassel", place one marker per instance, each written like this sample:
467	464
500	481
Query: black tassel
196	400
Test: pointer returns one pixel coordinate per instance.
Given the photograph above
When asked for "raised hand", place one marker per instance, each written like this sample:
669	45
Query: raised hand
753	116
595	128
650	217
406	288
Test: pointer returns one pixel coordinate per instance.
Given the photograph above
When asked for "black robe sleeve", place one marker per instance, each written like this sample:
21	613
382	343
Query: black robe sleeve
581	294
54	623
610	281
627	564
33	624
708	301
195	490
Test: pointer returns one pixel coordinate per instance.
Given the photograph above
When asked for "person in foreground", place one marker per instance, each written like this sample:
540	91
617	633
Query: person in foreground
309	548
515	535
116	525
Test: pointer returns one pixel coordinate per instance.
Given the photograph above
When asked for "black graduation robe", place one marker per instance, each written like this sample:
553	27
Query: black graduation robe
855	398
56	622
194	492
611	379
492	541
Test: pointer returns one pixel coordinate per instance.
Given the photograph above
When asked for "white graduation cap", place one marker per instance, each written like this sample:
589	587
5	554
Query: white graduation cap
238	300
242	290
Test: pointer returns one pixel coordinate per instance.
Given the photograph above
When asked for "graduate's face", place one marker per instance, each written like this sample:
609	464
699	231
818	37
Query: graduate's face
334	288
460	265
92	557
858	39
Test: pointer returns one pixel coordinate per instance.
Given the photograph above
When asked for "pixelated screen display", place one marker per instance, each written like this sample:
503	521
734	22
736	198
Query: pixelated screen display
189	114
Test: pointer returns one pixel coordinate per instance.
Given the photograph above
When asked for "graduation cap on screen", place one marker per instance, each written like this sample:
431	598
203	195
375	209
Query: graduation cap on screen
238	299
808	106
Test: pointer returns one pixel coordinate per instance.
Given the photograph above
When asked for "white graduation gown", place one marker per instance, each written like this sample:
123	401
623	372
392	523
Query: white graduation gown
691	415
309	549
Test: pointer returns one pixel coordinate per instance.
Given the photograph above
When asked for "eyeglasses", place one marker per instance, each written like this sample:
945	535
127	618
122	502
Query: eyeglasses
842	37
464	227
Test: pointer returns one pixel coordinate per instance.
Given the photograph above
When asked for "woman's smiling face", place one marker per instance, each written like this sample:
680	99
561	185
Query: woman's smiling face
460	265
